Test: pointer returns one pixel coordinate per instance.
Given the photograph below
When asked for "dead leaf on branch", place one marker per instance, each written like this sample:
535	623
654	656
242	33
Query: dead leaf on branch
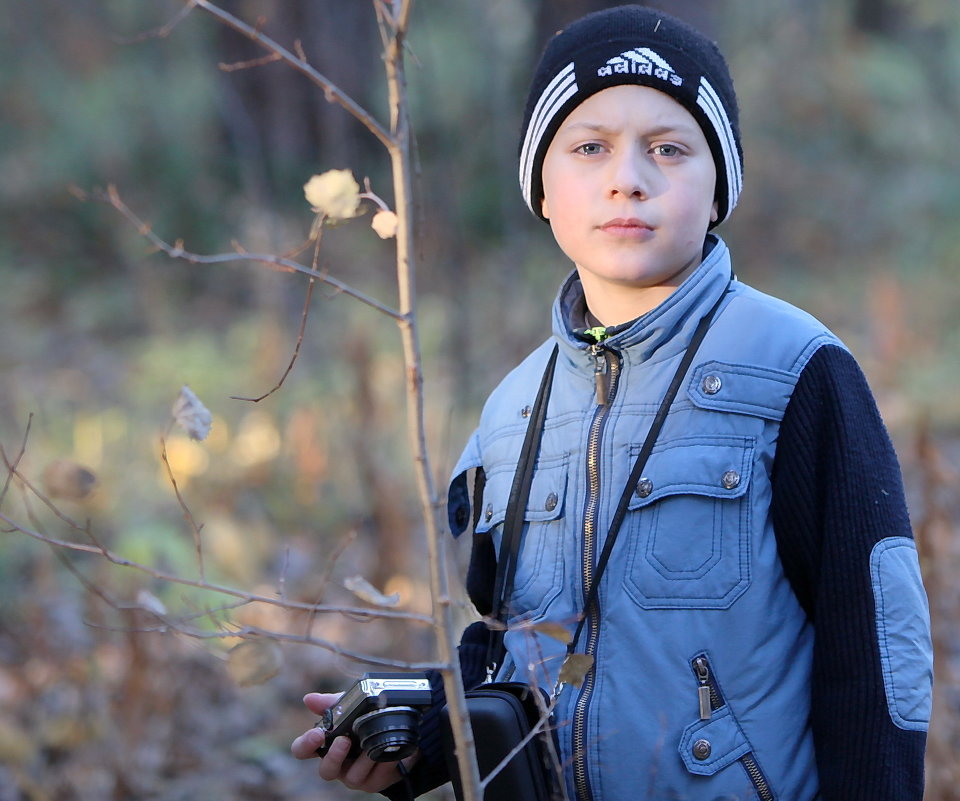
556	630
365	591
575	669
254	662
190	413
334	193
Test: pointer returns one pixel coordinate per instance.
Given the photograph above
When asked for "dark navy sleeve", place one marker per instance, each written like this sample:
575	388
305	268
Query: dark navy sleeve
431	769
837	493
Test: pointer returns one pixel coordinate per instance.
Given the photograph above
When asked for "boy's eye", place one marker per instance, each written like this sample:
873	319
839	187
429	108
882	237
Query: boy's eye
589	149
670	151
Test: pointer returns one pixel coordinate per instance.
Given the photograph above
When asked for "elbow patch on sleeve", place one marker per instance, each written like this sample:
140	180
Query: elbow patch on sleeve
903	631
458	494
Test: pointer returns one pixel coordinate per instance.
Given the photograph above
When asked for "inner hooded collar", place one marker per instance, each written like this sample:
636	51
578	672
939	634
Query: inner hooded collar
666	327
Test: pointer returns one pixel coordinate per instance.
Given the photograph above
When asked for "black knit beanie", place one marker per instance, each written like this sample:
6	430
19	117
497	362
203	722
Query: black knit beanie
633	45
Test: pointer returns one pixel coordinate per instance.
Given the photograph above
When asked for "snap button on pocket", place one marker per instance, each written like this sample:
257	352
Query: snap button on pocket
702	749
488	513
525	411
551	502
730	480
712	384
644	487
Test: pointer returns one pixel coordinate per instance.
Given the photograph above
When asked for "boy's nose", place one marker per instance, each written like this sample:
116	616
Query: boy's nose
630	175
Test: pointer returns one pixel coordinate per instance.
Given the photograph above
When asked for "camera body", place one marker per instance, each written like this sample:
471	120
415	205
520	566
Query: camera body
380	714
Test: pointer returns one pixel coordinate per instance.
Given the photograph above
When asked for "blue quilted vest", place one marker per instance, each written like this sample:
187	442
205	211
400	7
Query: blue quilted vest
700	685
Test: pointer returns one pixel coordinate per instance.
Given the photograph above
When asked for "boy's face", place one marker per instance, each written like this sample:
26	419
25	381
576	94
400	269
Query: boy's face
628	185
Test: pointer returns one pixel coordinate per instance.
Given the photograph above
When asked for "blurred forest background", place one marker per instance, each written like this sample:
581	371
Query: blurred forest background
850	111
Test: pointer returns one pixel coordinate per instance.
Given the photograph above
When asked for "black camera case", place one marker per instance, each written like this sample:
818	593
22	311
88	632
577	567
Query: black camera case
501	716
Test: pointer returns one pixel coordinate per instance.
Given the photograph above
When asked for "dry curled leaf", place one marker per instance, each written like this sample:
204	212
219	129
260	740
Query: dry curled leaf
254	662
365	591
191	414
385	224
575	669
334	193
556	630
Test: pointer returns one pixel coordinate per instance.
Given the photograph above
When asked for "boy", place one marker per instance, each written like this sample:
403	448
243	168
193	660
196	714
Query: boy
760	630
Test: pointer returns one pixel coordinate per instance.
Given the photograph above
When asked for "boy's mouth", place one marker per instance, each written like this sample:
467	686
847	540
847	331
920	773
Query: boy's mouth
627	226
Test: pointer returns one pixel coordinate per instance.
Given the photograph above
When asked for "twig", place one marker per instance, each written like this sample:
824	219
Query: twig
303	327
11	467
177	251
163	31
331	91
187	514
116	559
253	62
541	725
328	569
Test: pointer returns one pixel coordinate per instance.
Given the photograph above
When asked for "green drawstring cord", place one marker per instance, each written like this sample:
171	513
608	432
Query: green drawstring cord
599	333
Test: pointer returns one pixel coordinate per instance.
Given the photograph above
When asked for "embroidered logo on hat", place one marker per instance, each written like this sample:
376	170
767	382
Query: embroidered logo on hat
641	61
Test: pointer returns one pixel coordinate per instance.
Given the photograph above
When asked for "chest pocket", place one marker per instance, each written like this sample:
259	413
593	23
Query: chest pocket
689	525
540	567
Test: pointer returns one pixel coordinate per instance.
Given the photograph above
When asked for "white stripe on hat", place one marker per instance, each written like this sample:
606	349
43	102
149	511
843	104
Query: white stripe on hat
709	101
645	53
557	92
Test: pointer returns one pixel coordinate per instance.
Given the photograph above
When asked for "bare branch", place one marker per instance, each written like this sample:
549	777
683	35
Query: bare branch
546	710
402	15
12	466
163	31
177	251
118	560
187	514
303	327
254	62
332	92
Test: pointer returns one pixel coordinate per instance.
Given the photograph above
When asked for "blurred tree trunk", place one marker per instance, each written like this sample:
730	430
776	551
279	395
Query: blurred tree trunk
876	16
279	118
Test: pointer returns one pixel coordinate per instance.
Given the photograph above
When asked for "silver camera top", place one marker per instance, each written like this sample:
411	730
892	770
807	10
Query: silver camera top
372	687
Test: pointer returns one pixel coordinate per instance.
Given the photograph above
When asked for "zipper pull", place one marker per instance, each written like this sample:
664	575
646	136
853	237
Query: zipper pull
601	374
703	688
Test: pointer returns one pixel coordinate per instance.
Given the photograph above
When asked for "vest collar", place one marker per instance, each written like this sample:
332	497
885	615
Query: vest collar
664	330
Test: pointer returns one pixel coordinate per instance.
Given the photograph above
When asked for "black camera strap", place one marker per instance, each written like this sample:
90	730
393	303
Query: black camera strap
516	506
520	491
635	475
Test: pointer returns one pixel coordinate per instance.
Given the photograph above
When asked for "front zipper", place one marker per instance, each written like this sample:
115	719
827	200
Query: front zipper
606	386
709	700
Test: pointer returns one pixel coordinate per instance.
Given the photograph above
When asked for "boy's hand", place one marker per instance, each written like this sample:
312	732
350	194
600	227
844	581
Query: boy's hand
361	773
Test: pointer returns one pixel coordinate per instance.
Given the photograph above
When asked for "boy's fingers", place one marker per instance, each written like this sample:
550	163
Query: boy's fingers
318	703
360	773
332	765
306	745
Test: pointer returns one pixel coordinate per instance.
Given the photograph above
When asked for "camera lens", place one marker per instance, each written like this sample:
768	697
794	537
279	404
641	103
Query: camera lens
388	735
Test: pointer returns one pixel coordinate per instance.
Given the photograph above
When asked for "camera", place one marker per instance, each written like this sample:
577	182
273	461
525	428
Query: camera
380	714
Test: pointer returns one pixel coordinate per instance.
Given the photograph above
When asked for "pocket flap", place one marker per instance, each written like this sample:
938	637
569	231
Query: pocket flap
710	745
718	467
547	494
758	391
